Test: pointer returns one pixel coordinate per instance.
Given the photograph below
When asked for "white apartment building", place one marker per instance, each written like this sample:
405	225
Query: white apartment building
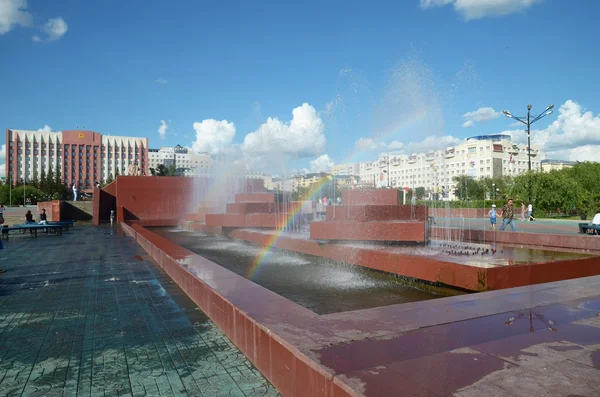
482	156
180	157
83	157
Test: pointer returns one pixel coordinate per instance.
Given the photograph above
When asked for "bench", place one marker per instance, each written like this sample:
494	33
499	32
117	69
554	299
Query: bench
587	228
33	229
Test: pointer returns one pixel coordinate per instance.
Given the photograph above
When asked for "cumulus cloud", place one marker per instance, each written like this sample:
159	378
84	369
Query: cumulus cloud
303	136
213	136
476	9
429	143
369	144
161	81
14	13
45	128
479	115
162	130
55	28
574	135
323	163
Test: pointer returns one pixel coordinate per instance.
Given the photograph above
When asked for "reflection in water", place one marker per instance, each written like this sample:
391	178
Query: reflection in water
540	317
317	285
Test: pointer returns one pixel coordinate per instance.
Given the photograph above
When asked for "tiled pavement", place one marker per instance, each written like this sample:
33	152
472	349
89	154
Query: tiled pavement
86	314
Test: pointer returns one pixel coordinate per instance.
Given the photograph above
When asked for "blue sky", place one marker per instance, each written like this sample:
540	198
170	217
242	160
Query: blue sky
392	74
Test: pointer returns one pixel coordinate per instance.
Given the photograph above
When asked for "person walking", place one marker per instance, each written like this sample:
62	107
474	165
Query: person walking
508	216
523	211
74	192
530	217
1	225
493	215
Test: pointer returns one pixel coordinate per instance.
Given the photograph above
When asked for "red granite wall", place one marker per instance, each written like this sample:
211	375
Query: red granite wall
52	209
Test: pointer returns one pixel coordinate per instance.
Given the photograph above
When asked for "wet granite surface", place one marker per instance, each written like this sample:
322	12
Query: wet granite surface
87	314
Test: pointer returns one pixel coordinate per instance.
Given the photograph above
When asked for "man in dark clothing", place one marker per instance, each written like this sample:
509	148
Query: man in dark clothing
508	214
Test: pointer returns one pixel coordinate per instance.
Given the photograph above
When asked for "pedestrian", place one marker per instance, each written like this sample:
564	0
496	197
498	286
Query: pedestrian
508	216
112	217
1	214
74	192
530	213
493	214
1	248
523	211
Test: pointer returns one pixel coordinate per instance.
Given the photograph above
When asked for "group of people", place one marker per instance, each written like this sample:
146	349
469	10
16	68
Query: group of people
508	214
42	218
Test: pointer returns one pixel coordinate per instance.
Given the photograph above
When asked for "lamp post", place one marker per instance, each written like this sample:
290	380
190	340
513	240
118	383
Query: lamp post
494	191
528	121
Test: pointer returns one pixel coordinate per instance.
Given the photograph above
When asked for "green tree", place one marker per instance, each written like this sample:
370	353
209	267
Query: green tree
467	188
587	174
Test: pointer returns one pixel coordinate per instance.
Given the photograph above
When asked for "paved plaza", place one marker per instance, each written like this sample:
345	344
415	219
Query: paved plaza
87	314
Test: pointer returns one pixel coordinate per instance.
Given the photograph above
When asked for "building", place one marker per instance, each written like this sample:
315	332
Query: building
492	156
181	157
83	157
551	165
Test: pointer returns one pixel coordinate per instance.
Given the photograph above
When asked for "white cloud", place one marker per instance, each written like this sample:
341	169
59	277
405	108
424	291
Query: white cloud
213	136
369	144
302	137
46	128
574	135
323	163
434	3
429	143
161	81
476	9
479	115
55	28
162	130
36	38
14	13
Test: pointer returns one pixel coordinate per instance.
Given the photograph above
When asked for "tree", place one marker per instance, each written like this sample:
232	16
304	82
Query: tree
467	188
587	174
152	171
43	183
420	191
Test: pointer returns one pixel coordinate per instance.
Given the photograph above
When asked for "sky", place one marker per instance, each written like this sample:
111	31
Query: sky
283	86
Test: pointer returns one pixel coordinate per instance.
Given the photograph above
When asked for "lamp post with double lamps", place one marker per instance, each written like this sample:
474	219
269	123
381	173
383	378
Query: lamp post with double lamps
528	121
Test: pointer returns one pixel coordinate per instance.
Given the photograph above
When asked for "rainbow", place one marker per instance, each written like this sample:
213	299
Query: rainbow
274	237
389	133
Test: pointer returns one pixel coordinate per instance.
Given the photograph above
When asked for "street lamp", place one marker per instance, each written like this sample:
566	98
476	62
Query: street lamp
530	120
494	191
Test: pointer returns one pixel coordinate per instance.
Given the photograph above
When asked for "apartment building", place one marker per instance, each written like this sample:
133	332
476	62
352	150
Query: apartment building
481	156
83	157
551	165
181	157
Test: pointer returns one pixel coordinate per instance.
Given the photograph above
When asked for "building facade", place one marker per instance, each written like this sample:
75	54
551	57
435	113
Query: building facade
551	165
181	158
492	156
83	157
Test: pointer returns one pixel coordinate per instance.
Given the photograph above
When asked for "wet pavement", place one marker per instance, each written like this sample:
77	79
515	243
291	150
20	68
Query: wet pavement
87	314
546	226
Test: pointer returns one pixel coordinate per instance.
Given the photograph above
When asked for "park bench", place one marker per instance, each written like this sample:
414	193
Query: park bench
587	228
64	224
33	229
